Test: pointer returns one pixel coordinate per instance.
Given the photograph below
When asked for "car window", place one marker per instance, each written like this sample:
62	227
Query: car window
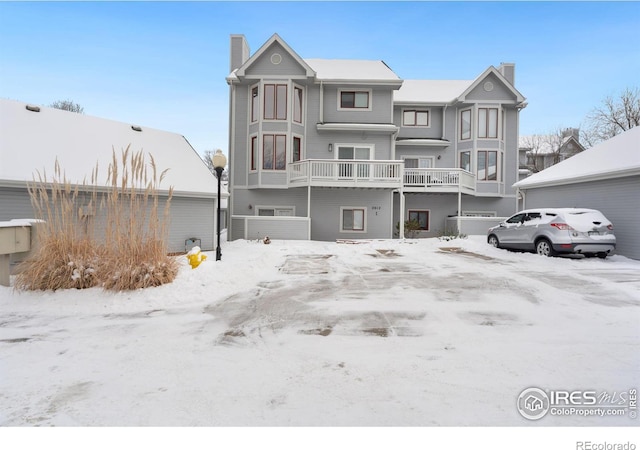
516	219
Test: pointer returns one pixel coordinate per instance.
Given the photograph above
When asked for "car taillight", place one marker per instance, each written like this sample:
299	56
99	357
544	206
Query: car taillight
610	227
561	226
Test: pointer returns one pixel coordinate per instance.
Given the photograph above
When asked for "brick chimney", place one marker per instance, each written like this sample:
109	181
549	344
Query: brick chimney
239	51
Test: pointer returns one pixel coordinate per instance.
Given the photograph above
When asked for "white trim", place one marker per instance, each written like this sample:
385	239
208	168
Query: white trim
479	214
351	208
302	149
432	159
416	110
257	208
459	130
369	101
428	211
371	147
302	108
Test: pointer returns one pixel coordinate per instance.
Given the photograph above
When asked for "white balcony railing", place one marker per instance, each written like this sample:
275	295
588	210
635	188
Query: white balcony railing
341	172
366	173
442	180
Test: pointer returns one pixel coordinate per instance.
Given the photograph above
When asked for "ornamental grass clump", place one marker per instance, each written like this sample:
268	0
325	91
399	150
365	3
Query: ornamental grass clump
114	237
66	255
136	226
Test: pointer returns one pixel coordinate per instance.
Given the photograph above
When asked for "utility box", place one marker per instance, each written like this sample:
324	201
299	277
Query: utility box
15	237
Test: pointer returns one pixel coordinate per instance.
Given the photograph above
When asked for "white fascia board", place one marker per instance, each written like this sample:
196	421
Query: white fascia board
424	142
383	127
351	82
634	171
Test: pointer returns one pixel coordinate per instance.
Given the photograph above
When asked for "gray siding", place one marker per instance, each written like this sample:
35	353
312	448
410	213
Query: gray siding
245	200
381	98
325	213
252	227
263	66
443	206
499	92
433	131
189	217
617	199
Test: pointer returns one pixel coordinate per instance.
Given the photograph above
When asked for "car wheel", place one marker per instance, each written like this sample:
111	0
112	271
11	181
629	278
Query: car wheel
544	248
493	241
601	255
589	255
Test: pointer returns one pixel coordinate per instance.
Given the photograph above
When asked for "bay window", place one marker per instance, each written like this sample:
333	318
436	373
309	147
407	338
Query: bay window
488	123
465	124
487	165
274	154
275	101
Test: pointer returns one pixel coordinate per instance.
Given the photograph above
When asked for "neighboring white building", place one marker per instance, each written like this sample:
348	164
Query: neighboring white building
31	139
605	177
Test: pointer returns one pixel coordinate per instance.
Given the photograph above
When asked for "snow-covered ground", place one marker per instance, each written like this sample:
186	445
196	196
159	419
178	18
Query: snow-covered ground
295	333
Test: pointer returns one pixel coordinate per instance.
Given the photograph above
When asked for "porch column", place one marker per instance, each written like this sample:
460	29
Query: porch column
401	225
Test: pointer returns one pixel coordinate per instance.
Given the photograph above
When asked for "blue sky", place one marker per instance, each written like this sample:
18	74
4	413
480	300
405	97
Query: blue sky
163	64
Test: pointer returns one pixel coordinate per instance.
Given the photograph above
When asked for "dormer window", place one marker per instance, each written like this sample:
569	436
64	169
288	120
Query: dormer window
350	99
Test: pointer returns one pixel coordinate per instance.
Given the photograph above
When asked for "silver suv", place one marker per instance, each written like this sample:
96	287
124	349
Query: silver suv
550	231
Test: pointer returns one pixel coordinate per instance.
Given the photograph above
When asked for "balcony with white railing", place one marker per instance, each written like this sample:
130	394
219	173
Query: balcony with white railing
345	173
439	180
378	174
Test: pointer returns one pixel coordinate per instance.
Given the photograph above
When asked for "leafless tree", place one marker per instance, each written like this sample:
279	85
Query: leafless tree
534	146
67	105
615	115
208	160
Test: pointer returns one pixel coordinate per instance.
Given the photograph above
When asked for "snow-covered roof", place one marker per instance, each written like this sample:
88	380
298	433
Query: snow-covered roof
31	141
616	157
352	70
430	91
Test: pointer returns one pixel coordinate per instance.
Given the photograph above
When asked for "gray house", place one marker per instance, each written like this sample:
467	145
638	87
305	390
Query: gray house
32	138
539	152
345	149
605	177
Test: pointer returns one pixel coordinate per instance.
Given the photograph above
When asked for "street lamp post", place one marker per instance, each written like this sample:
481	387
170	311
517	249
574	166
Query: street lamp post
219	161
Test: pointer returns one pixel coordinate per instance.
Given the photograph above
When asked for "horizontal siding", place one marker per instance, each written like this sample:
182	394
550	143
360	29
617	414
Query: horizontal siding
189	217
617	199
325	213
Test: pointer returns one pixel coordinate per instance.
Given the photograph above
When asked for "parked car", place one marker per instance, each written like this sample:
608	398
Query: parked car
551	231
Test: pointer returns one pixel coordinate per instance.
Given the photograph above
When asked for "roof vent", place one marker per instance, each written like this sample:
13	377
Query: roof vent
33	108
136	128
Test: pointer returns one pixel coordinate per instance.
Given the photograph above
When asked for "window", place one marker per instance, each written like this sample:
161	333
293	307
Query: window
418	163
422	217
352	219
415	118
255	104
465	124
488	123
268	211
274	155
297	104
487	165
275	101
254	153
465	161
354	100
296	150
349	170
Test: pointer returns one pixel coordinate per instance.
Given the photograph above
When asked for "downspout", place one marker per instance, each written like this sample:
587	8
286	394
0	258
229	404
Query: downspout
444	121
321	102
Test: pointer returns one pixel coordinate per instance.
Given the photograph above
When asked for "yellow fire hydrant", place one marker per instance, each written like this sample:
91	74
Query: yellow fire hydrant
195	257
